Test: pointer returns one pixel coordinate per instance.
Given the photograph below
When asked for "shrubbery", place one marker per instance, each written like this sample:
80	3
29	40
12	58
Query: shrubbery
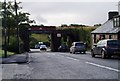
80	34
33	42
13	46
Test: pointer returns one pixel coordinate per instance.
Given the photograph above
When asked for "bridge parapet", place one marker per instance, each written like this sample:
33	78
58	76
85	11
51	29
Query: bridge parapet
33	28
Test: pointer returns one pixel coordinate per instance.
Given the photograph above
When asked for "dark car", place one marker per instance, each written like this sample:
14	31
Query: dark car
106	48
63	48
78	47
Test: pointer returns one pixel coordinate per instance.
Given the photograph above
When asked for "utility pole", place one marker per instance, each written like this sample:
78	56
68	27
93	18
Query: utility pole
18	41
5	31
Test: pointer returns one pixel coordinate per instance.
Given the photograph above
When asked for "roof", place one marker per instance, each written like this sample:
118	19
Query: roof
107	27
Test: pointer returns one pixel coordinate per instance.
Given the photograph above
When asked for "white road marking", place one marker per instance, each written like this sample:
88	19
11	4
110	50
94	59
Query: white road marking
101	66
50	53
72	58
69	57
105	67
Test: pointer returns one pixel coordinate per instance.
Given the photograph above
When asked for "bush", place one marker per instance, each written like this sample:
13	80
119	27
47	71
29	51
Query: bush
33	42
47	44
81	34
13	46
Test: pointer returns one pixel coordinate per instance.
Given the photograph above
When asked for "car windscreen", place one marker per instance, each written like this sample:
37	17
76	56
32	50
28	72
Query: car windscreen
42	45
63	46
114	43
79	44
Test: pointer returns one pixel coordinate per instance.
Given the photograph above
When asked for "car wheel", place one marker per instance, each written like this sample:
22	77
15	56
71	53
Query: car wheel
92	54
73	52
103	54
84	52
109	56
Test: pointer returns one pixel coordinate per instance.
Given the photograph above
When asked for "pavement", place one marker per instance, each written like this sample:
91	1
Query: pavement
17	58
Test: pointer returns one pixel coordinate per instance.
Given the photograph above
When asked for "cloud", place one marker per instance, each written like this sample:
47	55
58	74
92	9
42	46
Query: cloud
69	12
68	0
39	19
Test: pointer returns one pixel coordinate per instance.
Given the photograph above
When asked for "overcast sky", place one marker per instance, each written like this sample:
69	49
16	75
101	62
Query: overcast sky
57	12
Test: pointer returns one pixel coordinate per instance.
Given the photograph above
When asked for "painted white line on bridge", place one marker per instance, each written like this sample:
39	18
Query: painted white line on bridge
101	66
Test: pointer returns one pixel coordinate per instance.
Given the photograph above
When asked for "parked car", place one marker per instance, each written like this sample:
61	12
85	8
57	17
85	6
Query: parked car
78	47
37	46
106	48
43	47
63	48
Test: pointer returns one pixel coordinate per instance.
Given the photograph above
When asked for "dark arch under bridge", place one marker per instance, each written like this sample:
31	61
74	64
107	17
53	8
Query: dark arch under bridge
56	35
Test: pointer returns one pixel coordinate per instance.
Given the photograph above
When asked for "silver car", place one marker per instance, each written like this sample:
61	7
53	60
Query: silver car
43	47
78	47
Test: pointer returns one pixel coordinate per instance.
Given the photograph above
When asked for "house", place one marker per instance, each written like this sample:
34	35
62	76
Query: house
110	29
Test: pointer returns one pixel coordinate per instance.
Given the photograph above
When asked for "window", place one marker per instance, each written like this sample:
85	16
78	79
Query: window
114	43
110	36
102	37
79	44
116	22
102	43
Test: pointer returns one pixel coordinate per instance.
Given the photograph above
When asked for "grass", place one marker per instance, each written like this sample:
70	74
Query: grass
41	37
8	53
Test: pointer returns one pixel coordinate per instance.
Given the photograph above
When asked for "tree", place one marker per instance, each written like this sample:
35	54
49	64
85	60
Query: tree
11	17
78	25
64	25
97	24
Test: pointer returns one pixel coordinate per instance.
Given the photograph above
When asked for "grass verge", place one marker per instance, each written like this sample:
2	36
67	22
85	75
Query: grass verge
8	53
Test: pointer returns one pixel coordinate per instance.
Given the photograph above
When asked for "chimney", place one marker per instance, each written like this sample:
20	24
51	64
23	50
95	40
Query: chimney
112	14
119	7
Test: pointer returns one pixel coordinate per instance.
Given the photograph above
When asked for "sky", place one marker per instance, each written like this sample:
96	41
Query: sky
57	12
